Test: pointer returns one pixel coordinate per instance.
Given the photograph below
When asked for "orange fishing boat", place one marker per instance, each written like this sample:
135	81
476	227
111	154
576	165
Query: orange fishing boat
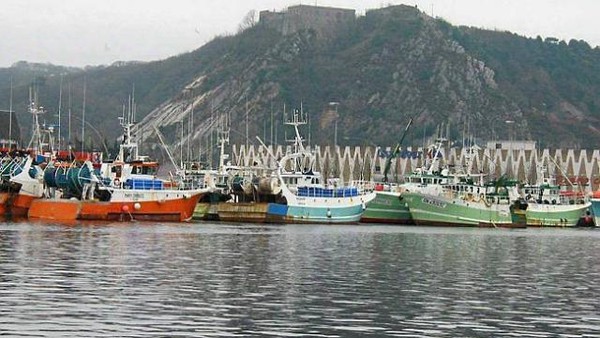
121	190
14	204
21	189
160	206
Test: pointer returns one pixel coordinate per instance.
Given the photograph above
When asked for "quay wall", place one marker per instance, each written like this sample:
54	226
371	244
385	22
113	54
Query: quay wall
355	163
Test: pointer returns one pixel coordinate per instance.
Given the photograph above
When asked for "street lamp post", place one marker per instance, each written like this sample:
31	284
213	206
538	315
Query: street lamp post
335	107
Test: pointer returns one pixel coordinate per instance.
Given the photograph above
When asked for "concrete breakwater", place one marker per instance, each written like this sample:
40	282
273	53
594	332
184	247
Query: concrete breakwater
355	163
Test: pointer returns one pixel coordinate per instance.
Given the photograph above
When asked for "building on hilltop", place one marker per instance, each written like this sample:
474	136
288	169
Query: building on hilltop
324	20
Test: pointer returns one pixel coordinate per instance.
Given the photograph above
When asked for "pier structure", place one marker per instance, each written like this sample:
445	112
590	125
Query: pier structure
355	163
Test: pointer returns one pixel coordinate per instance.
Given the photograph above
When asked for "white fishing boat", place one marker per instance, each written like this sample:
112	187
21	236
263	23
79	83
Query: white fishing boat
308	198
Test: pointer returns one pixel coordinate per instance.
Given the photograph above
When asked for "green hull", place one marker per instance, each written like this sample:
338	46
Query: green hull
387	208
201	211
441	211
551	215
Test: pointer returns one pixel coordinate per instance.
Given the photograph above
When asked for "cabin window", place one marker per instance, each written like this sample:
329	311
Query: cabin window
149	170
117	170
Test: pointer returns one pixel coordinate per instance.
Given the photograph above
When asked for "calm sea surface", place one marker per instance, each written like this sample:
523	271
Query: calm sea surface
204	280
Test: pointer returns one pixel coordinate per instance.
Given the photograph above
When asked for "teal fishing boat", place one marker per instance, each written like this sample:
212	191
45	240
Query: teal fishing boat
308	198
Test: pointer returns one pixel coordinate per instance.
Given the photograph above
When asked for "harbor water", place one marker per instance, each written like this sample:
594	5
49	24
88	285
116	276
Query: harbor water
213	280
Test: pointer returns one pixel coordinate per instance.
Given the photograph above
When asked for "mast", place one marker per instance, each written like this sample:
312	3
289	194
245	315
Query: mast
182	144
127	144
133	104
210	146
83	115
436	154
10	113
271	123
247	112
59	109
297	121
388	162
36	137
190	131
223	136
70	105
162	141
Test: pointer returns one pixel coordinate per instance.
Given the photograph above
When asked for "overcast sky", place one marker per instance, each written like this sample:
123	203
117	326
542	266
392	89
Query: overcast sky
93	32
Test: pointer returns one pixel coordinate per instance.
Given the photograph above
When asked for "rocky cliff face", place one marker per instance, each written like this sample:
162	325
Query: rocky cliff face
393	64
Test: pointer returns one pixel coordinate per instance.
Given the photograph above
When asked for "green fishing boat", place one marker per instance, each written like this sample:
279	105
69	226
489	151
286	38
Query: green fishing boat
550	206
467	204
387	208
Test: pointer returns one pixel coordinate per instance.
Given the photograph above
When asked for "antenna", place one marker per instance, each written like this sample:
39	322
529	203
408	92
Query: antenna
128	119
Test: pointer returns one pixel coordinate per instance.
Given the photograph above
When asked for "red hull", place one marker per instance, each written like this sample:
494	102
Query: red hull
177	210
3	200
15	205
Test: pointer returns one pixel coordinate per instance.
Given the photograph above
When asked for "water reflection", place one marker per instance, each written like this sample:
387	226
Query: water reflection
204	279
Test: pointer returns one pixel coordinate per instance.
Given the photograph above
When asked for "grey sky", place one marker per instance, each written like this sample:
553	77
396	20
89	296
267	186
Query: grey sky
92	32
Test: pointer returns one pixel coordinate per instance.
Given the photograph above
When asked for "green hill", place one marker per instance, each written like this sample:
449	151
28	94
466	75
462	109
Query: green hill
381	69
